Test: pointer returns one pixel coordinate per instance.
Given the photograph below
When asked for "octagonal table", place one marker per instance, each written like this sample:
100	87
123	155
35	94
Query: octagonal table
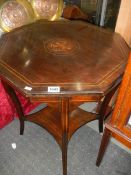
63	64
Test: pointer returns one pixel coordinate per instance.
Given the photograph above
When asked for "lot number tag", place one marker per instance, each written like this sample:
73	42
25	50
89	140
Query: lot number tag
53	89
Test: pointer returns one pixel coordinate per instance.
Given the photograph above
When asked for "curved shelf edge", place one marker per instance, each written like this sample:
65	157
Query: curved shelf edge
78	118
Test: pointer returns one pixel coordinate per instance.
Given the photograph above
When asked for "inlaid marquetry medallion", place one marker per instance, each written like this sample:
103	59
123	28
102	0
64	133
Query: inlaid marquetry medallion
62	46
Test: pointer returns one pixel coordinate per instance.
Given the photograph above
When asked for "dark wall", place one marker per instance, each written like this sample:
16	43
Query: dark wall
76	2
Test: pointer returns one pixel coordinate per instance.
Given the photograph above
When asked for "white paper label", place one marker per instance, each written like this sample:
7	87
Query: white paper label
53	89
28	88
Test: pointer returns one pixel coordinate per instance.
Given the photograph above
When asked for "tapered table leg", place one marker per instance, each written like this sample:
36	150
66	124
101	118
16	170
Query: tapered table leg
65	127
103	146
104	105
16	103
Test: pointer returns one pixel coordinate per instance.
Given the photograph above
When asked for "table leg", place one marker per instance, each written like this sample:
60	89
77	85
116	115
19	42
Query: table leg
65	128
103	146
104	105
17	104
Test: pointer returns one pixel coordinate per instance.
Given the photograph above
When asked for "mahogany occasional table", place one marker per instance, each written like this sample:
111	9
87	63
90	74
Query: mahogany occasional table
63	64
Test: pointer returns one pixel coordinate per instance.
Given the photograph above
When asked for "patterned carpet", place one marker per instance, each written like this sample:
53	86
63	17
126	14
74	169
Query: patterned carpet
37	153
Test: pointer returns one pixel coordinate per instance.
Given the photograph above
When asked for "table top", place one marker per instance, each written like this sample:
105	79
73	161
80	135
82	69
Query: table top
73	57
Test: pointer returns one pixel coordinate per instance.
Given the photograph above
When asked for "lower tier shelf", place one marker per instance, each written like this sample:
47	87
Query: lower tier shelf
50	119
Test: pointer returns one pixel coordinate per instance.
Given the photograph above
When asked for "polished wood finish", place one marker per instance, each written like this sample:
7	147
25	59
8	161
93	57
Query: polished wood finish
78	57
86	62
65	128
118	126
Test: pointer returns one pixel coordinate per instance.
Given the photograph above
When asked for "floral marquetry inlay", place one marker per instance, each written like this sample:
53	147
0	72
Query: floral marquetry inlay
62	46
